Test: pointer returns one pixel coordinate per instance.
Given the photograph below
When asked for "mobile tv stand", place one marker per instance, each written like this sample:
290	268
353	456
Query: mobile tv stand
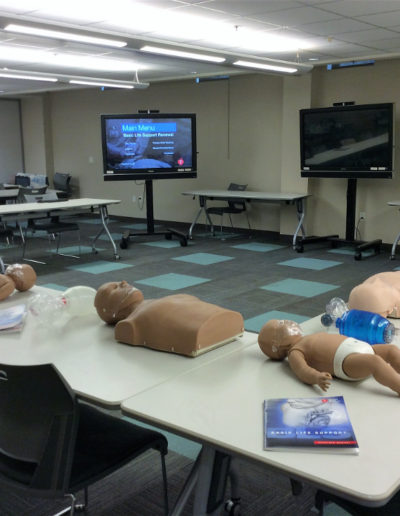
169	232
359	246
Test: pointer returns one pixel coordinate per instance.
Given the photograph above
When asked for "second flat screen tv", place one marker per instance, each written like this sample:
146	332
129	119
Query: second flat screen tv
149	146
347	141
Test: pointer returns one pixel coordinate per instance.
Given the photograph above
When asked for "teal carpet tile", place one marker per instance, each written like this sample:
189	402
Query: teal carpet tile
203	258
115	236
350	251
100	267
310	263
164	244
55	286
298	287
172	281
258	247
256	323
75	250
137	227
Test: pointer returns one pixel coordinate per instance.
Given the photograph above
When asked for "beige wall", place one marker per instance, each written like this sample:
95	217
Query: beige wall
247	131
33	134
238	139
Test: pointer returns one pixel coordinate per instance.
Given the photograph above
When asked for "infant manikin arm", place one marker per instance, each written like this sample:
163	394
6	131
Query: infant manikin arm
306	373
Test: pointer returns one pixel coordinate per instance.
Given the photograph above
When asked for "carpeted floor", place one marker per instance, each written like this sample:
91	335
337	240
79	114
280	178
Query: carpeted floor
258	276
136	490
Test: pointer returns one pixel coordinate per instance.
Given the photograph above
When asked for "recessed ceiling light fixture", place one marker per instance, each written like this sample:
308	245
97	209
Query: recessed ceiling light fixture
69	36
182	54
264	66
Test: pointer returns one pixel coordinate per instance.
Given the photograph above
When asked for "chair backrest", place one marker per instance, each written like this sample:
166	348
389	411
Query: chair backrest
22	192
237	204
22	180
61	182
39	418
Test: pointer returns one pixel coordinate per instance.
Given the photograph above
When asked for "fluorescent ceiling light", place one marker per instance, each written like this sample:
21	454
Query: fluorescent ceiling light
105	84
262	66
23	29
179	53
70	60
13	75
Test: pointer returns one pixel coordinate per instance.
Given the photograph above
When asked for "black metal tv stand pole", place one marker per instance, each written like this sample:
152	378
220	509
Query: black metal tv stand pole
359	245
169	232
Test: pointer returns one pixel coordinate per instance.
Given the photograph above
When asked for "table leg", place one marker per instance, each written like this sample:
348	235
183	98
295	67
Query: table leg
195	222
300	209
208	478
393	251
203	207
104	217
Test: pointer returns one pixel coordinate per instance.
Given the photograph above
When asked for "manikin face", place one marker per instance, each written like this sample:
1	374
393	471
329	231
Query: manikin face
114	301
277	336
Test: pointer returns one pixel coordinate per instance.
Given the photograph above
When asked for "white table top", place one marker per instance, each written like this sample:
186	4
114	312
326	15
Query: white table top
95	365
9	193
248	194
12	209
227	413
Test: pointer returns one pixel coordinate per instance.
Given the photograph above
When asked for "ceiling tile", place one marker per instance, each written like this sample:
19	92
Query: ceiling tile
354	8
365	36
298	16
383	20
333	27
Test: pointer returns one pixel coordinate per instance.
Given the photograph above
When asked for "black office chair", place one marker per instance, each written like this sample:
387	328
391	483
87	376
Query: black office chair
232	206
52	445
53	226
323	498
61	183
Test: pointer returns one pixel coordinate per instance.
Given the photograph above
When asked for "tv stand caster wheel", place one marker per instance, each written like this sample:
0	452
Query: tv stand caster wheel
232	507
124	243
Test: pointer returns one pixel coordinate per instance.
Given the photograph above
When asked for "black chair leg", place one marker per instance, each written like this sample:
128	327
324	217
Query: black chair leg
165	484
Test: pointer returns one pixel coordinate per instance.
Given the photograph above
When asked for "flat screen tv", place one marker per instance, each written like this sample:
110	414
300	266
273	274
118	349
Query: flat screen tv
149	146
350	141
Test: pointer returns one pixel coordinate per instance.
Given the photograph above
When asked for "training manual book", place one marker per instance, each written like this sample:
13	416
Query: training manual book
304	424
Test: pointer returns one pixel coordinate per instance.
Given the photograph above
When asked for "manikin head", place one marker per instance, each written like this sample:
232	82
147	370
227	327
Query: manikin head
376	296
278	336
116	300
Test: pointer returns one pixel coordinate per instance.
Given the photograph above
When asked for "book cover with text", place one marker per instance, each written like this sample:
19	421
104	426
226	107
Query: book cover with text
318	423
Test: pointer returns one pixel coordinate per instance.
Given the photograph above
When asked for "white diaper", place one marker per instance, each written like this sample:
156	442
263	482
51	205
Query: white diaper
346	348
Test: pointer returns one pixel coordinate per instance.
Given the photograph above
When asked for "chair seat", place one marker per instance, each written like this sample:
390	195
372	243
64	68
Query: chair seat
104	442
